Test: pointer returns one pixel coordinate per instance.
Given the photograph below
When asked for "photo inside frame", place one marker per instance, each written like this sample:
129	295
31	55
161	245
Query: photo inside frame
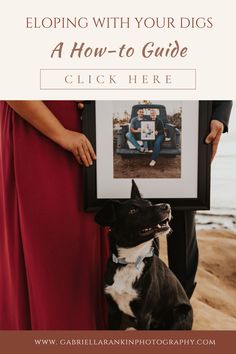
126	139
151	126
147	130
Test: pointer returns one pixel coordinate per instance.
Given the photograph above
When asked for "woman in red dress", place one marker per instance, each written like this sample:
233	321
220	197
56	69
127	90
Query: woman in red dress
52	254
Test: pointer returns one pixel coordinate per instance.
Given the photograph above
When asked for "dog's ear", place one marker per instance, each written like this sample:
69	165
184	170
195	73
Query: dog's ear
107	215
135	194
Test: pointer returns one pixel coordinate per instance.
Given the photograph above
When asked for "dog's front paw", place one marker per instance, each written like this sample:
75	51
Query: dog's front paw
130	329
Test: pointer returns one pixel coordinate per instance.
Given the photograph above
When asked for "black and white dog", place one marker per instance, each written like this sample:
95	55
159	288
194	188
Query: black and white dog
138	284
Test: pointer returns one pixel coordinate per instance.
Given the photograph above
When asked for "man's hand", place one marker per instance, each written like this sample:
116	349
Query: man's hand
213	137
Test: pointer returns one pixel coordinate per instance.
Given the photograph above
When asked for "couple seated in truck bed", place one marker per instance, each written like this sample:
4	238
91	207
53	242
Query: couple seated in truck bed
150	130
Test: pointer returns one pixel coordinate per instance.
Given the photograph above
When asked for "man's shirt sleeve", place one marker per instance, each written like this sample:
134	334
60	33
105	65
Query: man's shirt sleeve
221	111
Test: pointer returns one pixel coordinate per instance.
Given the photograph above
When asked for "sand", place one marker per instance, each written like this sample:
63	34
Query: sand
214	300
138	167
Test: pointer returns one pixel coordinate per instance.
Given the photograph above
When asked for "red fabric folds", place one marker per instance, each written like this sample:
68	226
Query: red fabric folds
52	254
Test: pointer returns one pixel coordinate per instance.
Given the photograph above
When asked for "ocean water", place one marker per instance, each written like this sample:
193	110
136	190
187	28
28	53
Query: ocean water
223	190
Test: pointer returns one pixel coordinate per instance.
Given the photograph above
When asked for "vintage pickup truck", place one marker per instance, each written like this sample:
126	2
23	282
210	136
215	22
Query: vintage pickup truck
172	144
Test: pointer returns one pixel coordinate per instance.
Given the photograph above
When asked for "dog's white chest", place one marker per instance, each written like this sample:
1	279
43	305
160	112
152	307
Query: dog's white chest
122	290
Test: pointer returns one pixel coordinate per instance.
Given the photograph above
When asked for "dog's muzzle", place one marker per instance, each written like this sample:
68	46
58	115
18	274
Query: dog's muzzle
162	226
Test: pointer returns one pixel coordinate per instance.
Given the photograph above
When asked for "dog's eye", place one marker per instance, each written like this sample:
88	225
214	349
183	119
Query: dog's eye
132	211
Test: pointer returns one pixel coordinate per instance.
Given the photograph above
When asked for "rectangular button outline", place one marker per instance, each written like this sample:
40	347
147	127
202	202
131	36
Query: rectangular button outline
117	89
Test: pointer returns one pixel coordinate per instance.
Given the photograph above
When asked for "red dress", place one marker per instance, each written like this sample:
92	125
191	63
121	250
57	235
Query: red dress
52	254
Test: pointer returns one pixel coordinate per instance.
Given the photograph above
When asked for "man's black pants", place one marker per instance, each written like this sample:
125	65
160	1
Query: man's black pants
183	249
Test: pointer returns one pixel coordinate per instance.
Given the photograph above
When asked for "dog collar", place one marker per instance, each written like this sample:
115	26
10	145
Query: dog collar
139	260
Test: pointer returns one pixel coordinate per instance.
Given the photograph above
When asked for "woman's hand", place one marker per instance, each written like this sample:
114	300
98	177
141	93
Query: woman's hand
79	145
80	104
39	116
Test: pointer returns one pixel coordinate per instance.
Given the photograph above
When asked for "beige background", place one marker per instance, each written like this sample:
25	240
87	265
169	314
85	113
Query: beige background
25	51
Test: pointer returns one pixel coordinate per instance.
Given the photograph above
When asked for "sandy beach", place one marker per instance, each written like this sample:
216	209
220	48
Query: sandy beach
214	300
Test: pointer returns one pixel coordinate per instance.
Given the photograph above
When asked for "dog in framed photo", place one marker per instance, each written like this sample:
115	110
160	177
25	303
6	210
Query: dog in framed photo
142	292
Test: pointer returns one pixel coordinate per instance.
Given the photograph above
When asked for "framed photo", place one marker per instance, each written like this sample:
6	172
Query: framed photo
159	144
147	130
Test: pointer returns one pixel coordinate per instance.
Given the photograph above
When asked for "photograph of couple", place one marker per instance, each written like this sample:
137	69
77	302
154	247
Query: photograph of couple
147	139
